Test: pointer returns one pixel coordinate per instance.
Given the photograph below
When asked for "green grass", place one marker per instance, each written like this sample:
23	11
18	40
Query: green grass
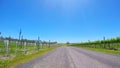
23	58
64	44
100	50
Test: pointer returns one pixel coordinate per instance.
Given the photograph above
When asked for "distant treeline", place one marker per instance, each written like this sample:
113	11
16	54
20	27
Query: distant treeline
25	40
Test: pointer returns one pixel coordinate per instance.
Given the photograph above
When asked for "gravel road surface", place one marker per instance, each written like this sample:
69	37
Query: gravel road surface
71	57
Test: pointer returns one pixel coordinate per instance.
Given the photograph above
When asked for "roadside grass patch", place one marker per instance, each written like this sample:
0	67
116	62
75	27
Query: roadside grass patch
11	63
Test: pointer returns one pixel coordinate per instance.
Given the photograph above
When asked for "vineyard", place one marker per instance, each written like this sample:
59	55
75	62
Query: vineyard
10	49
22	47
110	44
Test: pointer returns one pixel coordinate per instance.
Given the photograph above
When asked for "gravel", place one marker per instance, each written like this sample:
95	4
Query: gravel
71	57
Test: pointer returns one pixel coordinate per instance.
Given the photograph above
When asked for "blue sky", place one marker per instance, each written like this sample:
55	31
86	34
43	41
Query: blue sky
60	20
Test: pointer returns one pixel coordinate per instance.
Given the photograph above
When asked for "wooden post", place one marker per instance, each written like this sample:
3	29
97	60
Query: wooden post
35	46
89	43
38	43
16	44
22	42
24	47
16	47
49	43
42	44
6	46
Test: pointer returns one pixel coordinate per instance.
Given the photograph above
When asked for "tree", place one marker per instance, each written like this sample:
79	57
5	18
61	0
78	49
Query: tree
38	42
67	42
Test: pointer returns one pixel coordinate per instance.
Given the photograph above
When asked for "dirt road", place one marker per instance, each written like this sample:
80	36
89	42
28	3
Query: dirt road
71	57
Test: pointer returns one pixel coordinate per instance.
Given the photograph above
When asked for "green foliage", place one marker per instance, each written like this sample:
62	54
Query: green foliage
110	44
4	63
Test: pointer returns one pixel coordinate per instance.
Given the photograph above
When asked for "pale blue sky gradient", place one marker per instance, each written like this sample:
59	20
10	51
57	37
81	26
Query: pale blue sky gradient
60	20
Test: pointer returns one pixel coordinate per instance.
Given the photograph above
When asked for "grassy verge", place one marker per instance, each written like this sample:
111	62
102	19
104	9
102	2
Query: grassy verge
22	59
100	50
